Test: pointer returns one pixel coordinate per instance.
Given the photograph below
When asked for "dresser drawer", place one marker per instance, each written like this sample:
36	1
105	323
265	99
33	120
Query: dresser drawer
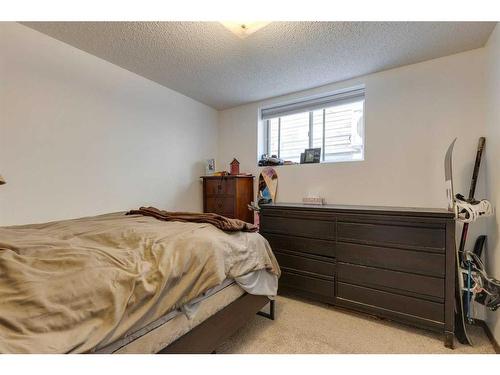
317	229
411	306
325	267
299	244
220	205
406	237
218	187
431	264
392	281
321	289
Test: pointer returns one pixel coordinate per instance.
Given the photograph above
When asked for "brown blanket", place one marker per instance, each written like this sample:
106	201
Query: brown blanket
218	221
73	285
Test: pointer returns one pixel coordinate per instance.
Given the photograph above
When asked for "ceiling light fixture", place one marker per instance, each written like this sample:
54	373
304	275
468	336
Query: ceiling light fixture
244	28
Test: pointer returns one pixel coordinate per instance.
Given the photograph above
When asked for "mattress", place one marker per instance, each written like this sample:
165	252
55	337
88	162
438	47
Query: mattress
165	330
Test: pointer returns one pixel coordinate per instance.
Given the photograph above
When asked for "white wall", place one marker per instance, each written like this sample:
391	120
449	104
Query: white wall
81	136
493	164
411	115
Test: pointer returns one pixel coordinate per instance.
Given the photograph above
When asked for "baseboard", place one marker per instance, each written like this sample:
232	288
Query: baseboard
490	336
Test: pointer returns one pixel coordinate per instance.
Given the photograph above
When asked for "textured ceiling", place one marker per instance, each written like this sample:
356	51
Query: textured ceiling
206	62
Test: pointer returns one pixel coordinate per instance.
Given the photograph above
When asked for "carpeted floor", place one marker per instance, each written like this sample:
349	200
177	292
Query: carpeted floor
306	327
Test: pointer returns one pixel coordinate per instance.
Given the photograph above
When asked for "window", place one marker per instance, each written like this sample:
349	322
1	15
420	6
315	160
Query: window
333	123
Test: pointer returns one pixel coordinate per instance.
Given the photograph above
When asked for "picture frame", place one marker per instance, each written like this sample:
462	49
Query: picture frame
210	167
311	155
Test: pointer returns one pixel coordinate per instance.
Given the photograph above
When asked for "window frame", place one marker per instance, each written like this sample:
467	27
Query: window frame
267	132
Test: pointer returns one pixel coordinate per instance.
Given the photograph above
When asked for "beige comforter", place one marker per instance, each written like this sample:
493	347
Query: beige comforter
72	285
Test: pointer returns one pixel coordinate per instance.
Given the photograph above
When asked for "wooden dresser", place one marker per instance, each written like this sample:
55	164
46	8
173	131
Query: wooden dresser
396	263
228	196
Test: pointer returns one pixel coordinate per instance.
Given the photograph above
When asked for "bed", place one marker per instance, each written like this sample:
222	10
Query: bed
119	283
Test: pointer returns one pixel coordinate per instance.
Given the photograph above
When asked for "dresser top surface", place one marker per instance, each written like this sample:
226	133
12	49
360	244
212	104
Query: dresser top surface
406	211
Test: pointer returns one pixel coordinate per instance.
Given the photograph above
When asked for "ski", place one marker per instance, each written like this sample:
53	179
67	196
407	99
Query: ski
460	327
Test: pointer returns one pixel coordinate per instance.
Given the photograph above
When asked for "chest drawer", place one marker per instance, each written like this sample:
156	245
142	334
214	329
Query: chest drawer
320	289
299	244
423	238
431	264
317	229
384	301
318	266
220	205
393	281
218	187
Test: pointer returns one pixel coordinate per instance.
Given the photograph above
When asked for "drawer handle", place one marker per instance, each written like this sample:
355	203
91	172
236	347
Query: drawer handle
219	187
219	204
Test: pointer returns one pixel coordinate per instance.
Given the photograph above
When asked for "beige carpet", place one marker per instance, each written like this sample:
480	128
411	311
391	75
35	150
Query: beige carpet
306	327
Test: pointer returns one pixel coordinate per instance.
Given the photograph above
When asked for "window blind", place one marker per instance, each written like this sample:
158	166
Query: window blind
343	97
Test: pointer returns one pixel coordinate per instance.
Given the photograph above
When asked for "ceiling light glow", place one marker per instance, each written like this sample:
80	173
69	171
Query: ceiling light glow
244	28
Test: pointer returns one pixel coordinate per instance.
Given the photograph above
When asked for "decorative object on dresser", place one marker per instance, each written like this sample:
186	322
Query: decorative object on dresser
234	167
313	200
395	263
210	167
228	196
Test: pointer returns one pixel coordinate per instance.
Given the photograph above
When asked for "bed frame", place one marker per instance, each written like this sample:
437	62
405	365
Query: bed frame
207	336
